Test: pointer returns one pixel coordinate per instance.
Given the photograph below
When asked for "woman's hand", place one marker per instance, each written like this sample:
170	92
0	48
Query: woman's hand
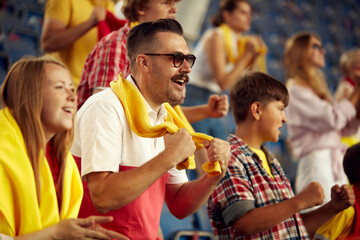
85	228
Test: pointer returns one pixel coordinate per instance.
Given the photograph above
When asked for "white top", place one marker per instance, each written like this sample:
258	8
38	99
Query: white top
104	140
315	124
201	74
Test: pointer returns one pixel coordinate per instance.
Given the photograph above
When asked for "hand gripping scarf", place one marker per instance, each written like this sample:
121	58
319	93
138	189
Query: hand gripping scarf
138	119
228	35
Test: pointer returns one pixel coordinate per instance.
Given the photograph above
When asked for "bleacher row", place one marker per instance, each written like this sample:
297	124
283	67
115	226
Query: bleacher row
336	22
20	31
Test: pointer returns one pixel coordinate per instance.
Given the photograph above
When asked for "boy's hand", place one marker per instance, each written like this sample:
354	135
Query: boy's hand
342	197
312	195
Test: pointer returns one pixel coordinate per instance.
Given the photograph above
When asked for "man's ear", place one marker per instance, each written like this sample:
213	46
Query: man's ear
255	110
142	62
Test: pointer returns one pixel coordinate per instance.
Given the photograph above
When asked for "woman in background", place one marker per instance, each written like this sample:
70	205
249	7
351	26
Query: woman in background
41	189
315	121
223	54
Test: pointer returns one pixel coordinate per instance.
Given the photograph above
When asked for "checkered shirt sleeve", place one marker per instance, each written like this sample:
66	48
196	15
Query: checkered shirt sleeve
106	61
247	185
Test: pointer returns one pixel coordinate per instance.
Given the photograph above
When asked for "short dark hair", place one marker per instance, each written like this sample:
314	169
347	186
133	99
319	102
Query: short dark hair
351	163
255	87
141	37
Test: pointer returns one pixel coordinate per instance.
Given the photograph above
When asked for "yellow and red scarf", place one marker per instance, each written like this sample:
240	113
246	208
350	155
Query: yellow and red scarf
20	212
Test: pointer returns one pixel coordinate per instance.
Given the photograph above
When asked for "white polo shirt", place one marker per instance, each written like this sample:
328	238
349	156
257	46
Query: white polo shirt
105	142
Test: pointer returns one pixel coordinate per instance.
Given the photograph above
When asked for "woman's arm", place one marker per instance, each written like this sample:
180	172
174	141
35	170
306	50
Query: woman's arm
216	53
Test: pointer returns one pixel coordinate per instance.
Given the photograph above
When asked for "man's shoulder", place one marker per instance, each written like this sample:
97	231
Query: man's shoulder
104	99
237	144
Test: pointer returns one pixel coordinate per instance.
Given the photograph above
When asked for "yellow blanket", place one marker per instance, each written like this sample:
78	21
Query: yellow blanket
228	35
138	119
20	212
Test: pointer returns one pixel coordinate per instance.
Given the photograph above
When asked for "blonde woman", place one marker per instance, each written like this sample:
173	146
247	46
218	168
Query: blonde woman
316	122
41	189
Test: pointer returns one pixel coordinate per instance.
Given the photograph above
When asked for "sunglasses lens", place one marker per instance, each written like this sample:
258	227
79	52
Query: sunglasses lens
190	59
178	59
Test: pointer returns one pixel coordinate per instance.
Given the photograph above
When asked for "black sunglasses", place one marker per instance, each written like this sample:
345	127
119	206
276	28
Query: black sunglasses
178	58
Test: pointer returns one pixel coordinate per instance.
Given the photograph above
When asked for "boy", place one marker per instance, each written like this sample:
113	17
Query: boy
255	200
347	223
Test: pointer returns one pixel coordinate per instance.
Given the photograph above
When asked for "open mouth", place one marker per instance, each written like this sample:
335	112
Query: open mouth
180	82
180	79
68	109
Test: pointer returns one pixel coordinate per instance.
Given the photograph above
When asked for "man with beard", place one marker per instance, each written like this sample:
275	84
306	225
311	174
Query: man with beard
129	176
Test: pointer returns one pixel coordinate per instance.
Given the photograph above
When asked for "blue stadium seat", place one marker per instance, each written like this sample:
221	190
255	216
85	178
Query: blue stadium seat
196	226
32	17
22	41
9	15
171	225
4	65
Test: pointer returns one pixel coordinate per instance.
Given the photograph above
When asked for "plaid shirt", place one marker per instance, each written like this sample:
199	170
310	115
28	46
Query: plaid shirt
104	64
246	186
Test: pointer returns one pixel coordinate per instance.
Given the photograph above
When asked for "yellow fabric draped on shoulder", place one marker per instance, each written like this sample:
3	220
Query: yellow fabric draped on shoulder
337	227
20	212
229	35
133	24
138	119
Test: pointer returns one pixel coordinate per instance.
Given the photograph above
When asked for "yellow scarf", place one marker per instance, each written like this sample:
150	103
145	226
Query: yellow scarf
138	119
228	35
133	24
20	212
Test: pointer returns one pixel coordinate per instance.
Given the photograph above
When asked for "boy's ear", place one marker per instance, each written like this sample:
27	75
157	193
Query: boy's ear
141	12
255	110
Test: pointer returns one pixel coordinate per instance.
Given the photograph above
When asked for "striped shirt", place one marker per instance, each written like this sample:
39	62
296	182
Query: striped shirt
246	186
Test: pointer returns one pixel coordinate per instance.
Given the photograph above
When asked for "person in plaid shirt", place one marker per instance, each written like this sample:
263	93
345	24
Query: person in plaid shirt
108	59
255	200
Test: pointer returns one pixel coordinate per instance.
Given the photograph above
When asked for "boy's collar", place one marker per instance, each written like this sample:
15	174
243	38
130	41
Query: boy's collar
240	143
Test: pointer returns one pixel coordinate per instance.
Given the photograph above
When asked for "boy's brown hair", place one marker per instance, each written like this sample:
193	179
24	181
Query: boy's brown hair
130	8
351	163
255	87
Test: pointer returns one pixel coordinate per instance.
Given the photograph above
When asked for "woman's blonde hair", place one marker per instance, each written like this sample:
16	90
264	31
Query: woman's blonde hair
297	65
22	93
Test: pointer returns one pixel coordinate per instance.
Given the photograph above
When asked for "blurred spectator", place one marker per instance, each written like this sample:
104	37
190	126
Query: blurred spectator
316	122
350	68
223	55
69	30
346	224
